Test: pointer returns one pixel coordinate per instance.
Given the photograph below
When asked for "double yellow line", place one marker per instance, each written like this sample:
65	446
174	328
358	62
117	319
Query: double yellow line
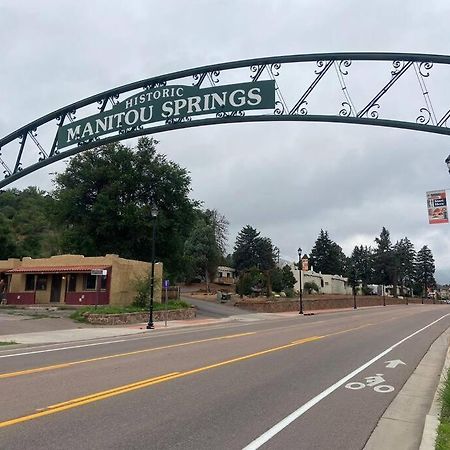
76	402
118	355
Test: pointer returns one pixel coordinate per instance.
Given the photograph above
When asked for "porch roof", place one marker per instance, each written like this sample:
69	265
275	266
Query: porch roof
57	269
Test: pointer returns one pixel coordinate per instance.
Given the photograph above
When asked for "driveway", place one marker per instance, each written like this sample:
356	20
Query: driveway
15	321
214	309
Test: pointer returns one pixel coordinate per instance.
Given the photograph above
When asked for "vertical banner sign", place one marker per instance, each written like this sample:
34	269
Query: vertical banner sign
437	207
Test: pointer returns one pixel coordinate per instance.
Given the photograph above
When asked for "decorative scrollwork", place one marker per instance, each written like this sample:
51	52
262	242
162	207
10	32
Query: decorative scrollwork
345	63
301	110
424	68
346	110
223	114
130	129
33	132
59	119
102	103
398	66
115	98
23	137
174	120
372	111
322	65
425	118
257	71
88	141
279	108
198	78
275	69
71	115
215	76
154	85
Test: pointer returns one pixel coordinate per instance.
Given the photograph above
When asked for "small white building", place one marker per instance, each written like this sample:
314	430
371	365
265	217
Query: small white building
327	284
225	275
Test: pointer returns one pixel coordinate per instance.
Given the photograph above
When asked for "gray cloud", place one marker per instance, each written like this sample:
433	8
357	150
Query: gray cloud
289	179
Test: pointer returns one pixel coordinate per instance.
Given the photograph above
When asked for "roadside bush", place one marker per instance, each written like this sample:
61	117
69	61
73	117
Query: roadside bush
142	286
289	292
310	286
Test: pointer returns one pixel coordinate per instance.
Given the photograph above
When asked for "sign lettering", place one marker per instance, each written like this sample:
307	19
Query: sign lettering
169	102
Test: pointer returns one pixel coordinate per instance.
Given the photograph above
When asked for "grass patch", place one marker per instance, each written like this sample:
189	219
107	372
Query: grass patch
80	314
443	438
7	343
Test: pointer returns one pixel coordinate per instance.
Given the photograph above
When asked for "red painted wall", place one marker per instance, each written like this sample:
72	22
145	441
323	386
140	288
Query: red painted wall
87	298
26	298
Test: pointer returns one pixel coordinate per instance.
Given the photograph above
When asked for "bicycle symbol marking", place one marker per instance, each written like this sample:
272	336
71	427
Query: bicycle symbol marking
373	381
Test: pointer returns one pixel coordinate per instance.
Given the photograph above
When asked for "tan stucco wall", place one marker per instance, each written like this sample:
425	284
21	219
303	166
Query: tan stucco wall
10	263
124	273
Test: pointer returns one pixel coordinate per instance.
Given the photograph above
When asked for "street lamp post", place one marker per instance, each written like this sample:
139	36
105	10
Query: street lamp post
447	161
154	214
300	279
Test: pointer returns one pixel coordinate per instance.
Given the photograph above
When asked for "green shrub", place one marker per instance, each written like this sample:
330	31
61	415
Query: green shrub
310	286
142	286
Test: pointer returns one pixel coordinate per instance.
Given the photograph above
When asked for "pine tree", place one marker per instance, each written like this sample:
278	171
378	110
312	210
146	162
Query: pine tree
361	265
327	256
425	268
405	257
252	250
384	264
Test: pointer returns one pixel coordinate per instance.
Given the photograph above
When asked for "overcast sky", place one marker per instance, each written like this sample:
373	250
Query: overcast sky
288	180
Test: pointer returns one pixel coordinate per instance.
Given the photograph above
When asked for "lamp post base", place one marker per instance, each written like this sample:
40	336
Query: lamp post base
150	326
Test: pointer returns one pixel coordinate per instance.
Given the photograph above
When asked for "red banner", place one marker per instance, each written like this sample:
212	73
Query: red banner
437	207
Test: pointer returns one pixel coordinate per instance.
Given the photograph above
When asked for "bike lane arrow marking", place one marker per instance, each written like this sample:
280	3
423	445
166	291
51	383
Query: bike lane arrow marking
394	363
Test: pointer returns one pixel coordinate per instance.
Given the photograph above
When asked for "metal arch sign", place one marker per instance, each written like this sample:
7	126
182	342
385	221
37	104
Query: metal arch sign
269	89
169	103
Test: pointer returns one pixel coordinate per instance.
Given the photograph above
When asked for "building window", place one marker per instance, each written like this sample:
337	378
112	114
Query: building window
72	286
30	282
228	274
103	279
220	274
41	283
90	282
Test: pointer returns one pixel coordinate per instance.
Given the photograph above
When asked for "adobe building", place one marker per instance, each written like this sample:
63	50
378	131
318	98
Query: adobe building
76	280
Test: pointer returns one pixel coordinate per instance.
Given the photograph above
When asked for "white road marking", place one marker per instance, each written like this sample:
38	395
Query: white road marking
63	348
394	363
269	434
383	388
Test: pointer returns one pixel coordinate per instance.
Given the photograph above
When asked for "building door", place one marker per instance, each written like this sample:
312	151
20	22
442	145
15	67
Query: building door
55	293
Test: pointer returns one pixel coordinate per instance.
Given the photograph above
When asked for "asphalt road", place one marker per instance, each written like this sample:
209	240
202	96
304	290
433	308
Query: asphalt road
322	382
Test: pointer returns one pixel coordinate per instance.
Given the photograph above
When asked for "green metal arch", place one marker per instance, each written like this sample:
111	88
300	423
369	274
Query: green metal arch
104	96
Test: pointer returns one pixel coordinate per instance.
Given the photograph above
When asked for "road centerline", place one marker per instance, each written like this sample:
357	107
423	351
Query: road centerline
118	355
73	403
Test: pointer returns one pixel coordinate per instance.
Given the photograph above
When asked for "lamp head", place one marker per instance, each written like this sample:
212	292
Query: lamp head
154	210
299	252
447	161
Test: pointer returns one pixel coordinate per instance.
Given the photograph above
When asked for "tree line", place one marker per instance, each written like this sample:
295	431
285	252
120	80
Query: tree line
101	203
400	265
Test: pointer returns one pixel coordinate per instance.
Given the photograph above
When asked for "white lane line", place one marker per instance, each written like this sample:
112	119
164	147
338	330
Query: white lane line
62	348
173	333
269	434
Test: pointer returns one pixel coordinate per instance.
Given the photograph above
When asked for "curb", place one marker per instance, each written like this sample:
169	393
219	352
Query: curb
403	428
430	429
